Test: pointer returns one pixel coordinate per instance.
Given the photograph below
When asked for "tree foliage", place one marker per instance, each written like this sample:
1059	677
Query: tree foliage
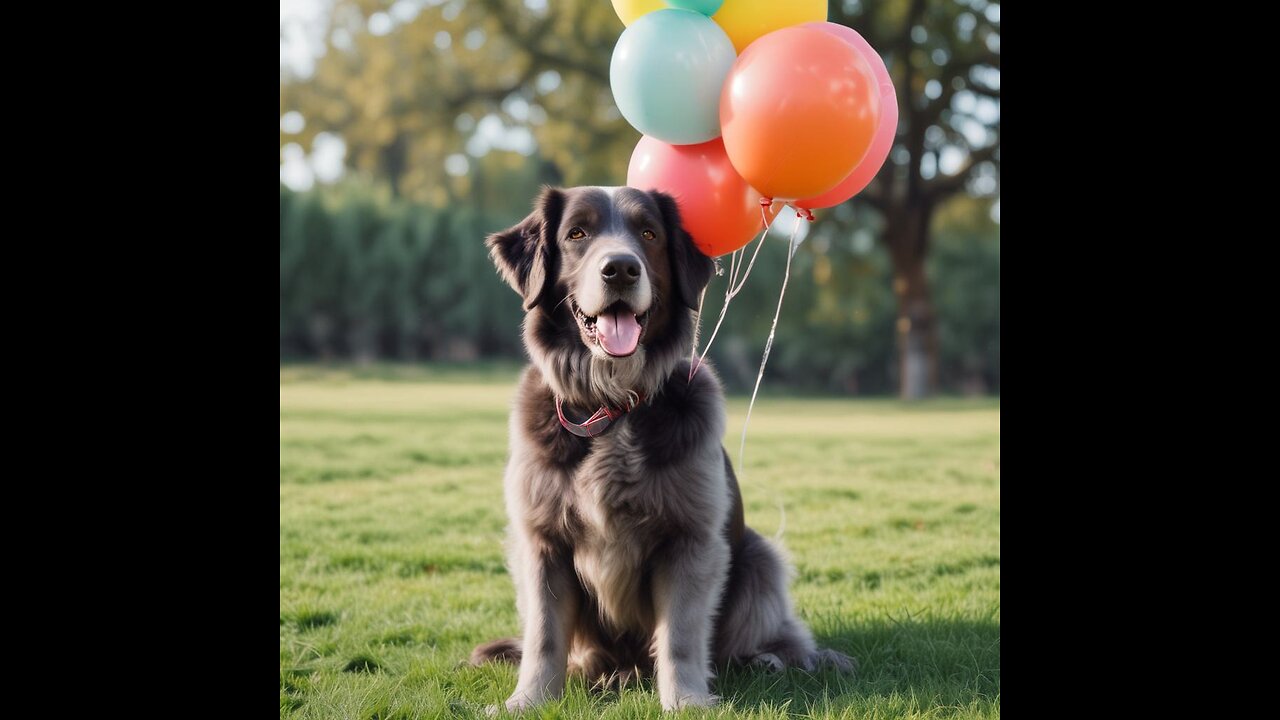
456	75
944	58
364	275
453	113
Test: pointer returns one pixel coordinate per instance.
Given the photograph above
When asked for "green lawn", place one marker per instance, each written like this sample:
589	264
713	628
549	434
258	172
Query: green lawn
391	566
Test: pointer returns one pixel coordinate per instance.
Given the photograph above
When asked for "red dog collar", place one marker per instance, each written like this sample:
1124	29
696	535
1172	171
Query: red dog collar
599	421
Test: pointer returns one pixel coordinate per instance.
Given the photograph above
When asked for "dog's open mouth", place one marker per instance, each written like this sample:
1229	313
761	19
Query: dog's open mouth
616	330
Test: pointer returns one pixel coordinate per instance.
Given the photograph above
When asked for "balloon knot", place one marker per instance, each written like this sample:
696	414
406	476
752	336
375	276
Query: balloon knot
766	202
807	216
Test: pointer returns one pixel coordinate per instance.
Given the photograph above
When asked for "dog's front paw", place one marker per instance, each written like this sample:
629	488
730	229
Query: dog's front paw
519	702
691	700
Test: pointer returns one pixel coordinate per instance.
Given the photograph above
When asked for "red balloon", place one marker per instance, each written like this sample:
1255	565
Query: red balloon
882	143
798	111
718	208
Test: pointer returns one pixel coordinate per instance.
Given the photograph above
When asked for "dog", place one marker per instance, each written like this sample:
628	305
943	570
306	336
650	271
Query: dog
626	541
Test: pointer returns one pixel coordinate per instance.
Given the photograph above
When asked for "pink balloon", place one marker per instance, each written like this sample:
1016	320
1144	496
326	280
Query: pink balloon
881	142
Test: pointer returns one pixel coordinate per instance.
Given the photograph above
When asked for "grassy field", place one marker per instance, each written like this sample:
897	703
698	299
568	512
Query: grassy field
391	565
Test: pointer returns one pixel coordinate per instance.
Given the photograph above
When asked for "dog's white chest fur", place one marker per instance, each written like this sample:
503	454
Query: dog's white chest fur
629	510
610	562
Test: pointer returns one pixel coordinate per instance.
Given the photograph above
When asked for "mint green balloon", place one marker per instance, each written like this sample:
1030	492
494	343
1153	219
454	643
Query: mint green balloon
706	7
666	74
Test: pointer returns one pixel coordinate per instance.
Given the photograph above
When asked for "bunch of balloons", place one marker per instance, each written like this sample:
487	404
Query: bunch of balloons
746	102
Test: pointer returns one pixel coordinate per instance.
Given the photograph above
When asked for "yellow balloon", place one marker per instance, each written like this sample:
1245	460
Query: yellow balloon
629	10
745	20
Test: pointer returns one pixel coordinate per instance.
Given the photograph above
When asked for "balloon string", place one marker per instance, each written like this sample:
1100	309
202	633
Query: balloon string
765	204
751	264
728	296
733	288
697	361
697	328
742	448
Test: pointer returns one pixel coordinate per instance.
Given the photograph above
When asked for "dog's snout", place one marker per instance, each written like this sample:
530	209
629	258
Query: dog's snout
620	269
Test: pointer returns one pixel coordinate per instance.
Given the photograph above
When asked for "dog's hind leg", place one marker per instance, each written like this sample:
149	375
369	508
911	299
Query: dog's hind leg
757	622
606	659
589	654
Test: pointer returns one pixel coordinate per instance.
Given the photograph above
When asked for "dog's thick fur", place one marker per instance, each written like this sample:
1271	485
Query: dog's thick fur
628	549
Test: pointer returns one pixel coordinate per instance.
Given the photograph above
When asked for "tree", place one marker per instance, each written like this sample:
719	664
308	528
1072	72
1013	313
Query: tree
409	88
944	57
410	101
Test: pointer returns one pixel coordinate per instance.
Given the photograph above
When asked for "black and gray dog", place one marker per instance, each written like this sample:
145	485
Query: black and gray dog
626	538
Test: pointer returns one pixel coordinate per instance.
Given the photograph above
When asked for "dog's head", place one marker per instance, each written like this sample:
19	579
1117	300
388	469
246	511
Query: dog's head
610	268
616	261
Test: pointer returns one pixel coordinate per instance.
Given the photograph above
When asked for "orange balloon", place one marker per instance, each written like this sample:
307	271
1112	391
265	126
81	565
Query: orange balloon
718	208
798	112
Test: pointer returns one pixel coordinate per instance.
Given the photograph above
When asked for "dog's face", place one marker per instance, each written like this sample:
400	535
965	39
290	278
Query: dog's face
612	263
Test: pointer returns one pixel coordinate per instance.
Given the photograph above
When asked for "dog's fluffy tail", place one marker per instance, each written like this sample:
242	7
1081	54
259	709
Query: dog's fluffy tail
500	650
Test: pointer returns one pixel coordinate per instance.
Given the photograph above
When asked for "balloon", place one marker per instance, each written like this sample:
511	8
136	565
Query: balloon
787	222
881	142
718	208
706	7
666	75
629	10
798	112
745	20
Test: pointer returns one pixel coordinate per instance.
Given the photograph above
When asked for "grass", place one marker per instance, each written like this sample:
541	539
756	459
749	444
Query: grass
391	565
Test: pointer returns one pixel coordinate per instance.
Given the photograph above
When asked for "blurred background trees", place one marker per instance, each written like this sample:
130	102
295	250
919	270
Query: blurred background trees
412	129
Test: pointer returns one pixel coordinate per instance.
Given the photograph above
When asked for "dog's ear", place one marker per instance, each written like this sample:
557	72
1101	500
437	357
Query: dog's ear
526	254
690	268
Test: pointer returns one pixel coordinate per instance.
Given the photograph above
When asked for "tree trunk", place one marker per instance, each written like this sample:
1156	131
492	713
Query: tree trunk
917	330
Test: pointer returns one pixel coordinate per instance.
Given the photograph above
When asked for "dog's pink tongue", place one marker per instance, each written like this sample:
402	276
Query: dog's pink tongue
619	332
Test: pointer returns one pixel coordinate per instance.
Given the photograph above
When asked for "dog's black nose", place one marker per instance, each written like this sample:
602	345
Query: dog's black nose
620	269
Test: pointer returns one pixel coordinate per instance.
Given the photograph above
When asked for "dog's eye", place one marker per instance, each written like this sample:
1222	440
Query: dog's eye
648	235
577	234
